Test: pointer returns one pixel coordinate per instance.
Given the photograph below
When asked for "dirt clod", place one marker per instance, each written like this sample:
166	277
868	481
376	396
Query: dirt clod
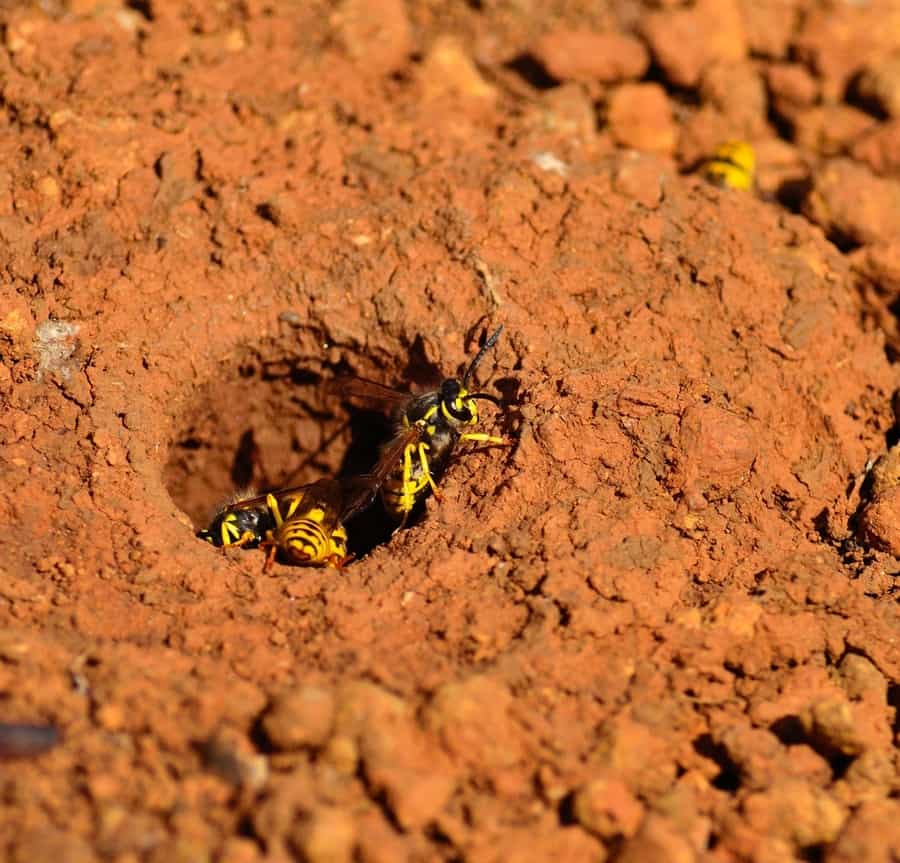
583	55
639	116
304	717
607	809
326	835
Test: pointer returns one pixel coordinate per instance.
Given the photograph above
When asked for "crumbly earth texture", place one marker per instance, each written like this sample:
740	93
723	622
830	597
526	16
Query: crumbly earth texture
662	625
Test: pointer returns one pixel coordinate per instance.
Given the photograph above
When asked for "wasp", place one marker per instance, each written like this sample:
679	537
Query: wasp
303	524
430	426
732	166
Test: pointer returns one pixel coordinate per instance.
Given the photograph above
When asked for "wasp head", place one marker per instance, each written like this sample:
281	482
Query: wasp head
456	404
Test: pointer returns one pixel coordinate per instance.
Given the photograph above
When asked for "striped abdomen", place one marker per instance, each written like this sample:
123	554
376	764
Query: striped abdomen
403	489
304	541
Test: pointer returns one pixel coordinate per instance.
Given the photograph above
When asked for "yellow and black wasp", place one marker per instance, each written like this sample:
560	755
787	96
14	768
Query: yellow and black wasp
732	166
430	426
304	524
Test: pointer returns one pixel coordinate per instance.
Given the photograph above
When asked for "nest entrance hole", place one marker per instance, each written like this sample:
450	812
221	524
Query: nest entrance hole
265	422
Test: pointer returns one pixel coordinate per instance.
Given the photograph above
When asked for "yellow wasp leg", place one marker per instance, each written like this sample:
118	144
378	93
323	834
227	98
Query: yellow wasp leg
229	531
486	438
242	540
426	472
246	536
407	471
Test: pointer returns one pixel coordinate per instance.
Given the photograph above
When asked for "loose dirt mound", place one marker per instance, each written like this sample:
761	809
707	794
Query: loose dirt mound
660	626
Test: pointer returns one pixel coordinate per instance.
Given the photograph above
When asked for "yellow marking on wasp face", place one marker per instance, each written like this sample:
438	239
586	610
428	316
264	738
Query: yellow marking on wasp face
459	404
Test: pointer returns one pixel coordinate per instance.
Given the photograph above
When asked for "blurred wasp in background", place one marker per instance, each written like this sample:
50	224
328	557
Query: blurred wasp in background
732	166
430	425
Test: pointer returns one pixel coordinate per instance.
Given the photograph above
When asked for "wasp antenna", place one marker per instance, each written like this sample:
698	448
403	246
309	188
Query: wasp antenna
487	397
480	356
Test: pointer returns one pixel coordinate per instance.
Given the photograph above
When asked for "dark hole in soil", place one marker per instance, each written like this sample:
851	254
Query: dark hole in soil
813	853
789	730
893	699
854	95
793	192
566	810
530	69
729	777
266	422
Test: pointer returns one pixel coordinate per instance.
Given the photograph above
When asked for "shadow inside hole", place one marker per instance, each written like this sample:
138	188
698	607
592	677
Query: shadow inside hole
729	776
246	460
893	699
369	432
531	70
789	730
259	426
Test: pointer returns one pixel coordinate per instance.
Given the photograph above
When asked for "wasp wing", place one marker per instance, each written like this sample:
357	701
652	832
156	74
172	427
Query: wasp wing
360	491
368	393
324	494
260	501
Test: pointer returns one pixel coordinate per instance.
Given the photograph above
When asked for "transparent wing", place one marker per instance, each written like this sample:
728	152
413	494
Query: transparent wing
368	393
260	500
326	494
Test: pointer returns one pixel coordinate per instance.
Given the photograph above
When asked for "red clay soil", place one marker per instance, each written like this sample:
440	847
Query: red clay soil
662	626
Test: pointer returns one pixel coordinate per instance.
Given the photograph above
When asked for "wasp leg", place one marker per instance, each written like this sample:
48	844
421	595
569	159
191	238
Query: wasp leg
340	561
480	437
271	550
426	471
246	536
409	486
